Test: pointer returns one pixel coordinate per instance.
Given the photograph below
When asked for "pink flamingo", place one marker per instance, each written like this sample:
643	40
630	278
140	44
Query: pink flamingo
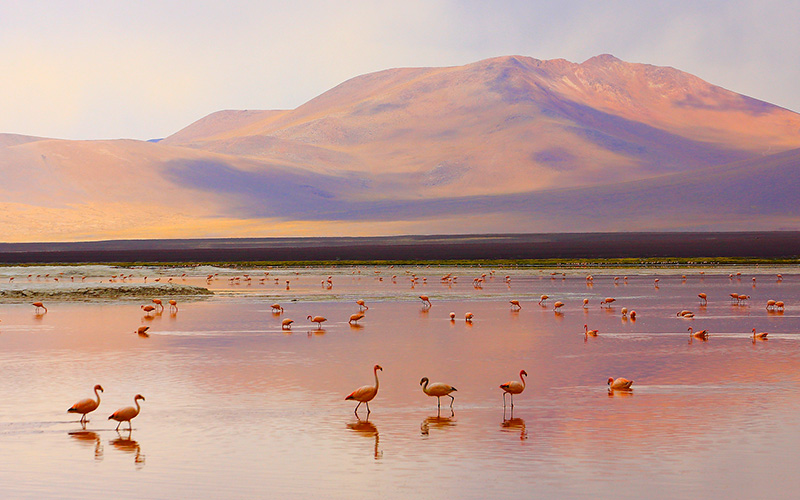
128	413
513	387
367	393
88	405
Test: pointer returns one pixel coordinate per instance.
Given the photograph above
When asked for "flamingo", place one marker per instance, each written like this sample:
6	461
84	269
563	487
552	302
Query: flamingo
88	405
173	306
770	304
607	301
39	305
142	330
148	309
543	298
426	302
619	384
438	389
452	316
557	306
589	333
702	334
703	298
286	324
158	303
513	387
276	308
366	393
355	317
361	305
779	305
624	312
318	320
468	317
515	304
128	413
632	314
760	335
585	303
685	313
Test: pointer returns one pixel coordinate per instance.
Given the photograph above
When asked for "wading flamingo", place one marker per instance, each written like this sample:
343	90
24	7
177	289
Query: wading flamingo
158	303
148	309
624	312
355	317
760	335
779	306
468	317
703	298
702	334
173	306
543	298
88	405
585	303
685	313
589	333
39	305
558	305
286	324
128	413
513	387
438	389
276	308
452	316
515	304
318	320
426	302
366	393
607	301
142	330
361	305
619	384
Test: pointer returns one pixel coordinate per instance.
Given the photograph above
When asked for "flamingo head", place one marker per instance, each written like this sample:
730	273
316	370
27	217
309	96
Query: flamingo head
99	387
309	317
423	381
689	329
377	367
138	397
610	380
523	372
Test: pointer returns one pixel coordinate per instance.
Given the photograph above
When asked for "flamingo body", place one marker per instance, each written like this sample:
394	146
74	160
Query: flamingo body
366	393
88	405
514	387
619	384
438	390
128	413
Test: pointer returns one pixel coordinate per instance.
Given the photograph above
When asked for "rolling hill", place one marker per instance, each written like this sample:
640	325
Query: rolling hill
509	144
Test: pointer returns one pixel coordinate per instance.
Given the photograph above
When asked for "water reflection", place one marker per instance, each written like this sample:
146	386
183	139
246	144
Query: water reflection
437	422
512	424
367	429
89	438
128	445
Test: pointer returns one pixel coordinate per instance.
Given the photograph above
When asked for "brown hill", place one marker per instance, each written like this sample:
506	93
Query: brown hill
515	143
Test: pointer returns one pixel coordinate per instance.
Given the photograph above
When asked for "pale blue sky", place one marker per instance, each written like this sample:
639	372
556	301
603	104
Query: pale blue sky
145	69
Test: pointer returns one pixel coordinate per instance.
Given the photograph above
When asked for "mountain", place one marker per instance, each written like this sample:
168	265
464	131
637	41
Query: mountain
518	144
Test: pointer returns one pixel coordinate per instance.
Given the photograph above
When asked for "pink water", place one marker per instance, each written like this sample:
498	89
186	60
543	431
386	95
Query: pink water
237	408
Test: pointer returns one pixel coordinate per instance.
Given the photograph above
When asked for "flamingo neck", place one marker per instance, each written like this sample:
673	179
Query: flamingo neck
425	387
138	408
376	378
521	377
98	396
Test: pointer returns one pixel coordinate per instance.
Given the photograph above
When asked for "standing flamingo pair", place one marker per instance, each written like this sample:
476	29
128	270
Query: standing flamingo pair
88	405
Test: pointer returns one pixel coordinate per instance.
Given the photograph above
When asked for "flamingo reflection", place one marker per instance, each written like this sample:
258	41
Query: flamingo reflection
128	445
367	429
89	438
437	422
512	424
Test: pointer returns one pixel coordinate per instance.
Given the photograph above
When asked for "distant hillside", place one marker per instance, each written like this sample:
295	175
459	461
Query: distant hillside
509	144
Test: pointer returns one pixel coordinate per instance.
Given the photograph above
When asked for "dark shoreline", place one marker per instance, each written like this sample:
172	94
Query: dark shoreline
758	245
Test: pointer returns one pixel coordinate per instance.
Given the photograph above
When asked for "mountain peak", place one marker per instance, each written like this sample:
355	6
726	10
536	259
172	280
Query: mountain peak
602	59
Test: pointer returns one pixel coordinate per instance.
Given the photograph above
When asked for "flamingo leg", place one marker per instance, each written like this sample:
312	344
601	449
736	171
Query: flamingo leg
451	401
512	401
368	411
504	399
117	428
356	410
438	401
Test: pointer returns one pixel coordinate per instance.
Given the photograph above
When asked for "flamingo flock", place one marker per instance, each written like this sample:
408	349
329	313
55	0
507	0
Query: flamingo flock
367	393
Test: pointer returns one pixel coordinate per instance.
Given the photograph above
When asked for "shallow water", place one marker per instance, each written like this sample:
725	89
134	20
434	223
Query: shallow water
237	408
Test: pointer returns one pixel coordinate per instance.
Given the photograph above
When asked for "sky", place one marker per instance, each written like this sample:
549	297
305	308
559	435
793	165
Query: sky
146	69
